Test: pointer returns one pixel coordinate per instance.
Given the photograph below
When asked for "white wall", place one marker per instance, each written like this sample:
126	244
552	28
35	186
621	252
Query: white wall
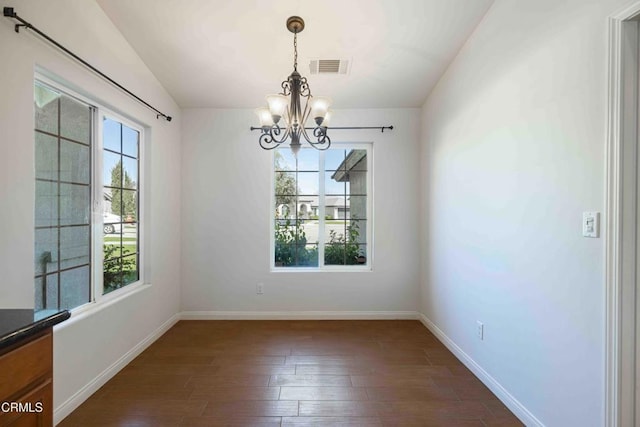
226	209
512	144
512	154
85	347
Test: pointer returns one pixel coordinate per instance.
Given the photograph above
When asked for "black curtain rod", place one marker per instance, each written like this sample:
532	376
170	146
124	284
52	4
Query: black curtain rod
10	13
382	128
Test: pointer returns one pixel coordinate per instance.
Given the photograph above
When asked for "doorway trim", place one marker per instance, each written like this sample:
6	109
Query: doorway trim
621	212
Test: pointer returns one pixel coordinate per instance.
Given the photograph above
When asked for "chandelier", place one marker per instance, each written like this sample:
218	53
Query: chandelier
285	118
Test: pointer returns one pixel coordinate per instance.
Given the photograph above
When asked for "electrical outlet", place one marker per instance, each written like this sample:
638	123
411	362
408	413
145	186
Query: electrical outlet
480	326
260	288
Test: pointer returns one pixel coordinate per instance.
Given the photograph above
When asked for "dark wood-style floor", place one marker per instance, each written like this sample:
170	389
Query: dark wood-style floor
294	373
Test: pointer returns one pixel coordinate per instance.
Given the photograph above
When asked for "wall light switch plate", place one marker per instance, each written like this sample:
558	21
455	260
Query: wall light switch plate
591	224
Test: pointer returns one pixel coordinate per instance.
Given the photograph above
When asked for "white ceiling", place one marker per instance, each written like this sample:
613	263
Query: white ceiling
230	54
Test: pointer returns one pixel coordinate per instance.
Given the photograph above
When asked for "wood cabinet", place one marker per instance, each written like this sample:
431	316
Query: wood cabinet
26	382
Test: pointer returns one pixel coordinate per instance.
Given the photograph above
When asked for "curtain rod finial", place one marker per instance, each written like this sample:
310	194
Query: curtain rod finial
8	12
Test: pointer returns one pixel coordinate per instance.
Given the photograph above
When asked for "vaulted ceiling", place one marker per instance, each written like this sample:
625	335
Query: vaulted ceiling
230	54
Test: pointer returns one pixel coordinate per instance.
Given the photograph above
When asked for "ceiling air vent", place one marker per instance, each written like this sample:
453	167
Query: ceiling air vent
329	66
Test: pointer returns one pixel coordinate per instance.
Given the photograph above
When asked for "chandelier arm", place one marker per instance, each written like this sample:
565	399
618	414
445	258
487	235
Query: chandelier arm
325	145
286	88
320	132
305	90
322	145
323	141
287	119
303	132
294	103
285	135
269	140
306	112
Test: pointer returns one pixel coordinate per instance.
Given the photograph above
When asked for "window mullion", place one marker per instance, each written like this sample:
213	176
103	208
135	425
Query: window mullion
98	208
296	224
369	221
58	214
321	209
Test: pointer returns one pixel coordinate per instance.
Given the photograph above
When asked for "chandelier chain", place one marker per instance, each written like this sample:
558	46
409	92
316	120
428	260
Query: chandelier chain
295	51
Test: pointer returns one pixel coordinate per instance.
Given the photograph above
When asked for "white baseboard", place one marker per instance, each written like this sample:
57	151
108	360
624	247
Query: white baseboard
91	387
297	315
511	402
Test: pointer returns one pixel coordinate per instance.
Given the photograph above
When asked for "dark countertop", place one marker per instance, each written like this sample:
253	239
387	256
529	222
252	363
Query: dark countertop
17	324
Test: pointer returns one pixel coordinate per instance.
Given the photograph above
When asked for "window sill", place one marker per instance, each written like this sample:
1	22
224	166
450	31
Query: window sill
361	269
91	308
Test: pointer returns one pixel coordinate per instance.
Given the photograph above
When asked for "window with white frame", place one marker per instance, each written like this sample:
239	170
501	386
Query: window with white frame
321	208
87	210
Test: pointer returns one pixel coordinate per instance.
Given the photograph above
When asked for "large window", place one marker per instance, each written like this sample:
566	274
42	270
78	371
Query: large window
321	211
87	170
